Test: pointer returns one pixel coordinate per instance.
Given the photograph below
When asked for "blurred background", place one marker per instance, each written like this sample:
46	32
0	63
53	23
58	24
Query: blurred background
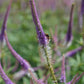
22	35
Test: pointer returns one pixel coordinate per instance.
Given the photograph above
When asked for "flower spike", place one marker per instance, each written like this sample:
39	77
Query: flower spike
75	79
81	14
4	26
79	77
69	31
39	29
82	7
71	53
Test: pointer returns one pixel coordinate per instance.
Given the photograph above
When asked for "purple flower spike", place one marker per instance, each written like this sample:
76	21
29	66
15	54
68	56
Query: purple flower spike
4	26
23	62
69	32
63	76
79	77
39	29
73	52
4	76
82	7
75	79
81	14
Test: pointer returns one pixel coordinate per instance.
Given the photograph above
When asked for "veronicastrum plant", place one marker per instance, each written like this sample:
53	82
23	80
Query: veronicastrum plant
45	50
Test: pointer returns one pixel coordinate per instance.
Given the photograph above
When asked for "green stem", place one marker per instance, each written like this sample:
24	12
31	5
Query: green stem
50	66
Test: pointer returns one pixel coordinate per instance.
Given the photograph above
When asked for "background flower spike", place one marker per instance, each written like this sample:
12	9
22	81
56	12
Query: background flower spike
4	25
71	53
55	40
78	78
75	79
81	16
69	36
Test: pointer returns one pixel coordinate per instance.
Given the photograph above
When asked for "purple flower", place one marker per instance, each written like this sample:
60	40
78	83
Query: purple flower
73	52
75	79
69	31
4	26
4	76
82	7
81	14
39	29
